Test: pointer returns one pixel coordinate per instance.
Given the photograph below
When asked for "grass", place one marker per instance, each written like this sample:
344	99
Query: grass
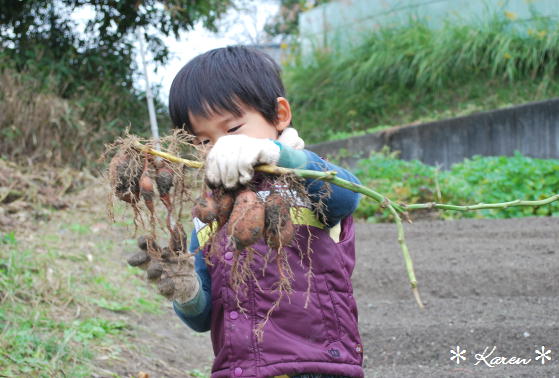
480	179
414	73
65	299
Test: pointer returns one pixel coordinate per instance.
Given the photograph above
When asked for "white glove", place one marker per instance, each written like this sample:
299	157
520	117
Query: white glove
290	137
232	159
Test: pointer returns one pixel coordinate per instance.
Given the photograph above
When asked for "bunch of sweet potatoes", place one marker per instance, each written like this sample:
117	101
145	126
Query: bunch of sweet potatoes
247	217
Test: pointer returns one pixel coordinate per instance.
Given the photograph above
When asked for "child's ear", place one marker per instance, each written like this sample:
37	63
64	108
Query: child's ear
283	114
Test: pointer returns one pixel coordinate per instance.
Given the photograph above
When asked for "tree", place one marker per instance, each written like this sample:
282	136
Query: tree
42	32
73	76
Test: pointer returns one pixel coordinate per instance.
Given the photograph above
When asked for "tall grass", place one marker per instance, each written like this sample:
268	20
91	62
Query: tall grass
66	304
415	72
39	123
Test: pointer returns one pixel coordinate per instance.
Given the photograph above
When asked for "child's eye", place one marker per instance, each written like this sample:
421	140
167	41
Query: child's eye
233	129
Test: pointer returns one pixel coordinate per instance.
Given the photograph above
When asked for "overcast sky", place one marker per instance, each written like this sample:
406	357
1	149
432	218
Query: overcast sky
237	27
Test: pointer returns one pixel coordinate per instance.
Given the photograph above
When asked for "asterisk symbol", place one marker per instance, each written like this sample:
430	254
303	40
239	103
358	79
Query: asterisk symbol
543	354
457	354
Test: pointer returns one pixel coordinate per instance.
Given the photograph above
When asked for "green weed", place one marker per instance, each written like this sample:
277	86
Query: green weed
8	238
197	373
479	179
416	73
79	228
58	302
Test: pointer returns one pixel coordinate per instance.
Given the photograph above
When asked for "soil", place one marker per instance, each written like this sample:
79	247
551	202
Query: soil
485	284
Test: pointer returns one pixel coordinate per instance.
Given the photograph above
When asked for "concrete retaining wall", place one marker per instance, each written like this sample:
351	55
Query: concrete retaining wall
532	129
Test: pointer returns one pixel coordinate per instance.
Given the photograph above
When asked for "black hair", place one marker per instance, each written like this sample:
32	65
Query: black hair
222	80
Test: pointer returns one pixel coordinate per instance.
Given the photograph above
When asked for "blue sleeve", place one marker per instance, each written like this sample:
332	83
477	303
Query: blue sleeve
196	313
341	202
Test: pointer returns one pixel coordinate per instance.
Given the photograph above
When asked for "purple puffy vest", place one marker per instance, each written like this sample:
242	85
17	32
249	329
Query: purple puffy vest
323	338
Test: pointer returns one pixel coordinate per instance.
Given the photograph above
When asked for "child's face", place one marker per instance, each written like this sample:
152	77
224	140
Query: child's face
251	123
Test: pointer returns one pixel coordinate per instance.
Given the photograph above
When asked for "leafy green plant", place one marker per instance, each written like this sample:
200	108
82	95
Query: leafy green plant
479	179
415	73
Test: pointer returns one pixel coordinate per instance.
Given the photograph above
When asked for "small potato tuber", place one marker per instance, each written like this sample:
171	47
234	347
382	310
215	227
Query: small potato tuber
140	259
279	229
146	190
164	182
147	244
246	223
205	208
124	178
166	287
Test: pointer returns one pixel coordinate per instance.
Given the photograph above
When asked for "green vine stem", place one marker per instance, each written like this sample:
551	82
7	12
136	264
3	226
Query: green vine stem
393	207
481	206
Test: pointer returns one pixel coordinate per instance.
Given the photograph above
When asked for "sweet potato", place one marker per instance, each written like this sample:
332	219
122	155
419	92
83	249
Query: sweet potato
246	223
124	178
147	192
278	227
225	201
164	182
205	208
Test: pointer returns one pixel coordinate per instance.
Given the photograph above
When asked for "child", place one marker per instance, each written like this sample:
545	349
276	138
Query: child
233	100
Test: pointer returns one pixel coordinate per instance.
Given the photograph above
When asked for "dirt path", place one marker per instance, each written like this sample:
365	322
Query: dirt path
485	283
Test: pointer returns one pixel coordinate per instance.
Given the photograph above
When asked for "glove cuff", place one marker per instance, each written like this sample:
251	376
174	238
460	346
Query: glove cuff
196	304
290	157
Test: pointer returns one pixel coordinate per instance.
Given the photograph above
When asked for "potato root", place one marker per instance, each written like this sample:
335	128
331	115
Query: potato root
164	182
124	178
177	243
278	227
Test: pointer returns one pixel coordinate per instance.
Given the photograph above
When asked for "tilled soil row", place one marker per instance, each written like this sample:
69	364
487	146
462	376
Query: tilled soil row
486	284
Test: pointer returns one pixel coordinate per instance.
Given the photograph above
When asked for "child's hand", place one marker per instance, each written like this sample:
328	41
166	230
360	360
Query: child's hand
232	159
176	278
290	137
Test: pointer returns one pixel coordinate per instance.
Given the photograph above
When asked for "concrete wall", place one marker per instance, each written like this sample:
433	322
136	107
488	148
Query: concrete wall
345	23
532	129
